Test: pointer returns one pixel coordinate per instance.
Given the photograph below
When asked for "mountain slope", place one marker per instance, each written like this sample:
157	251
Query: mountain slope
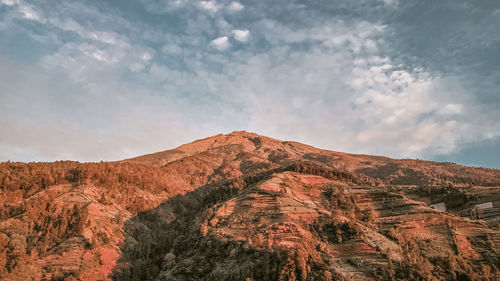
264	150
243	206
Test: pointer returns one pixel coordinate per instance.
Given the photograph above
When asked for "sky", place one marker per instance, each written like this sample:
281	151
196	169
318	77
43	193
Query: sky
108	80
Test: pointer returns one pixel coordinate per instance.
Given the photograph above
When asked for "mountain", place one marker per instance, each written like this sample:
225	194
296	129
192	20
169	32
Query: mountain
247	207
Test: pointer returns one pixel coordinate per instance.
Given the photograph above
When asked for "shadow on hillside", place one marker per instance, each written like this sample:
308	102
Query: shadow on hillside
168	244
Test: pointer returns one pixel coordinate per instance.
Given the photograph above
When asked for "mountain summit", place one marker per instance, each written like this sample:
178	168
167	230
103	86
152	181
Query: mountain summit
247	207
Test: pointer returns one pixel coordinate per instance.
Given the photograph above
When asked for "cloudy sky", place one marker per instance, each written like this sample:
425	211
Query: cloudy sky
106	80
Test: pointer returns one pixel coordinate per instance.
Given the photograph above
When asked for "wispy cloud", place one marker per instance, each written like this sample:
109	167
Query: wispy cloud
26	10
211	5
220	43
236	6
241	35
112	80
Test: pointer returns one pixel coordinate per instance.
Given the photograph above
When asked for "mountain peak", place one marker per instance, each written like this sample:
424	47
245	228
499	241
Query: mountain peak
245	139
241	206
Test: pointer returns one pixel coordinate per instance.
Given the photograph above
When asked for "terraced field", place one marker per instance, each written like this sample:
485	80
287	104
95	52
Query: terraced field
247	207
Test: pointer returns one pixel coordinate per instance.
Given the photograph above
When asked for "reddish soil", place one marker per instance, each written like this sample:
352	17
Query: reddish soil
247	207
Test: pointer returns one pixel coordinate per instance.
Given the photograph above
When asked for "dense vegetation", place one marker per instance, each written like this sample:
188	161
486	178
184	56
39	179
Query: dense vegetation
150	218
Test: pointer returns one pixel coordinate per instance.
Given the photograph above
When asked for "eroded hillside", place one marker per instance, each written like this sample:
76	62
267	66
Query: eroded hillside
247	207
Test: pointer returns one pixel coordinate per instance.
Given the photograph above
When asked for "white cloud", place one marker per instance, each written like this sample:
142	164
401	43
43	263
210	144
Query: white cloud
338	90
137	67
211	5
339	94
26	11
390	2
10	2
452	109
236	6
158	7
221	43
172	49
349	100
107	37
29	13
146	56
67	121
241	35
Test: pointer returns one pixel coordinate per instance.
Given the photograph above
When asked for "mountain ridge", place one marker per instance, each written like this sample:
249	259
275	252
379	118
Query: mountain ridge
215	138
247	207
249	135
347	160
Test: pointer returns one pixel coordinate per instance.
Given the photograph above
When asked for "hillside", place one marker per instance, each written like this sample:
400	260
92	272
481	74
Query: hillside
247	207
